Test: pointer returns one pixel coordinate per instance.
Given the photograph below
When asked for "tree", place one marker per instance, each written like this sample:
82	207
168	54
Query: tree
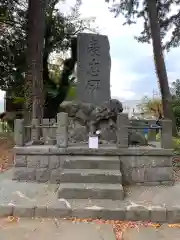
60	36
159	62
152	15
175	89
153	106
34	92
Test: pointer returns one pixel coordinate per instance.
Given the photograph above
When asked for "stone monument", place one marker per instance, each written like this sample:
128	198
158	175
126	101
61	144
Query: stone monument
93	109
93	68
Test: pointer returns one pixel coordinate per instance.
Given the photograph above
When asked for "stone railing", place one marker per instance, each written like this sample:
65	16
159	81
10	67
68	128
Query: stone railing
124	124
52	131
56	132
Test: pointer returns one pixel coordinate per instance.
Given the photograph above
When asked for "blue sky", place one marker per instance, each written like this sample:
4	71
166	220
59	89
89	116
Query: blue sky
132	71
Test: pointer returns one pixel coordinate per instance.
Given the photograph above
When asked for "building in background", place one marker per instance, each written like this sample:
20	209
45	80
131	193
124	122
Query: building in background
133	109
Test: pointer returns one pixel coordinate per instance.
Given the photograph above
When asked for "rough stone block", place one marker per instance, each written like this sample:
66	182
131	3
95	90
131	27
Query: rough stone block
20	161
91	191
96	90
157	183
158	214
37	161
167	183
40	211
54	162
42	175
44	162
117	214
33	161
161	161
146	161
149	183
138	175
159	174
87	213
62	161
6	210
19	132
32	150
55	175
24	211
62	137
23	173
137	213
58	211
173	214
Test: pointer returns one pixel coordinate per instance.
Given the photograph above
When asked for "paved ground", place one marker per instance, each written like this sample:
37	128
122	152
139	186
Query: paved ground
25	193
56	229
150	233
45	229
45	194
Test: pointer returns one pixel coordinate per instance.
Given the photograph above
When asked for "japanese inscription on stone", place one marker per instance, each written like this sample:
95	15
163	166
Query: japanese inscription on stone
93	68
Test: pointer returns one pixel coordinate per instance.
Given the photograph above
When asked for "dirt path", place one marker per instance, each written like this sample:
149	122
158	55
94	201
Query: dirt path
6	152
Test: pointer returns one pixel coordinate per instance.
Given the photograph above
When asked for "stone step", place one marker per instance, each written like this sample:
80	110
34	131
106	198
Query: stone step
92	162
98	209
91	191
92	209
91	176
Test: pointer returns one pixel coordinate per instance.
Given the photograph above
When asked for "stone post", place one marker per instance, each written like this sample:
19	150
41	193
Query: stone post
152	131
122	130
35	130
166	134
19	132
62	130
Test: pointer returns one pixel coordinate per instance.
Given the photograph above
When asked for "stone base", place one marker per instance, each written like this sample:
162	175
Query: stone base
156	204
110	210
145	166
147	170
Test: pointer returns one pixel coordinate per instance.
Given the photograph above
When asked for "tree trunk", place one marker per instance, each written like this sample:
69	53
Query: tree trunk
34	76
160	63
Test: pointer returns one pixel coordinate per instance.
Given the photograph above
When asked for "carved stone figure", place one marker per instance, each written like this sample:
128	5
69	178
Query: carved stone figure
85	118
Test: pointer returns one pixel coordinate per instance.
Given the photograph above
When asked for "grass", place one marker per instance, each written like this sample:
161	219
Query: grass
4	128
176	145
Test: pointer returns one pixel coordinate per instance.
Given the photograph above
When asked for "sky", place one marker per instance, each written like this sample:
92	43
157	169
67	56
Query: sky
132	70
132	67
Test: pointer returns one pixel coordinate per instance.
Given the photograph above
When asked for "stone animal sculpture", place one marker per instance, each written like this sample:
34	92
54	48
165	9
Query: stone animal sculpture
108	112
86	118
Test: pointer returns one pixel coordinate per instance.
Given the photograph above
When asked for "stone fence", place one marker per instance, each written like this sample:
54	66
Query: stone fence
56	131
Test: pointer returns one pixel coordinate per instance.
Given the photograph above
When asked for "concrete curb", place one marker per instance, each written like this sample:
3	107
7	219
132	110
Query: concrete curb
158	214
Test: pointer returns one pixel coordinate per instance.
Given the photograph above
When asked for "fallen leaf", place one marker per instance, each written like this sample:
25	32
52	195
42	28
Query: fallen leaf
12	219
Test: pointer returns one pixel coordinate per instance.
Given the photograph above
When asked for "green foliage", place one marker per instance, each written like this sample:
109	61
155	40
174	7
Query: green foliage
175	88
60	29
175	91
17	100
158	136
133	10
153	106
72	93
176	145
12	47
